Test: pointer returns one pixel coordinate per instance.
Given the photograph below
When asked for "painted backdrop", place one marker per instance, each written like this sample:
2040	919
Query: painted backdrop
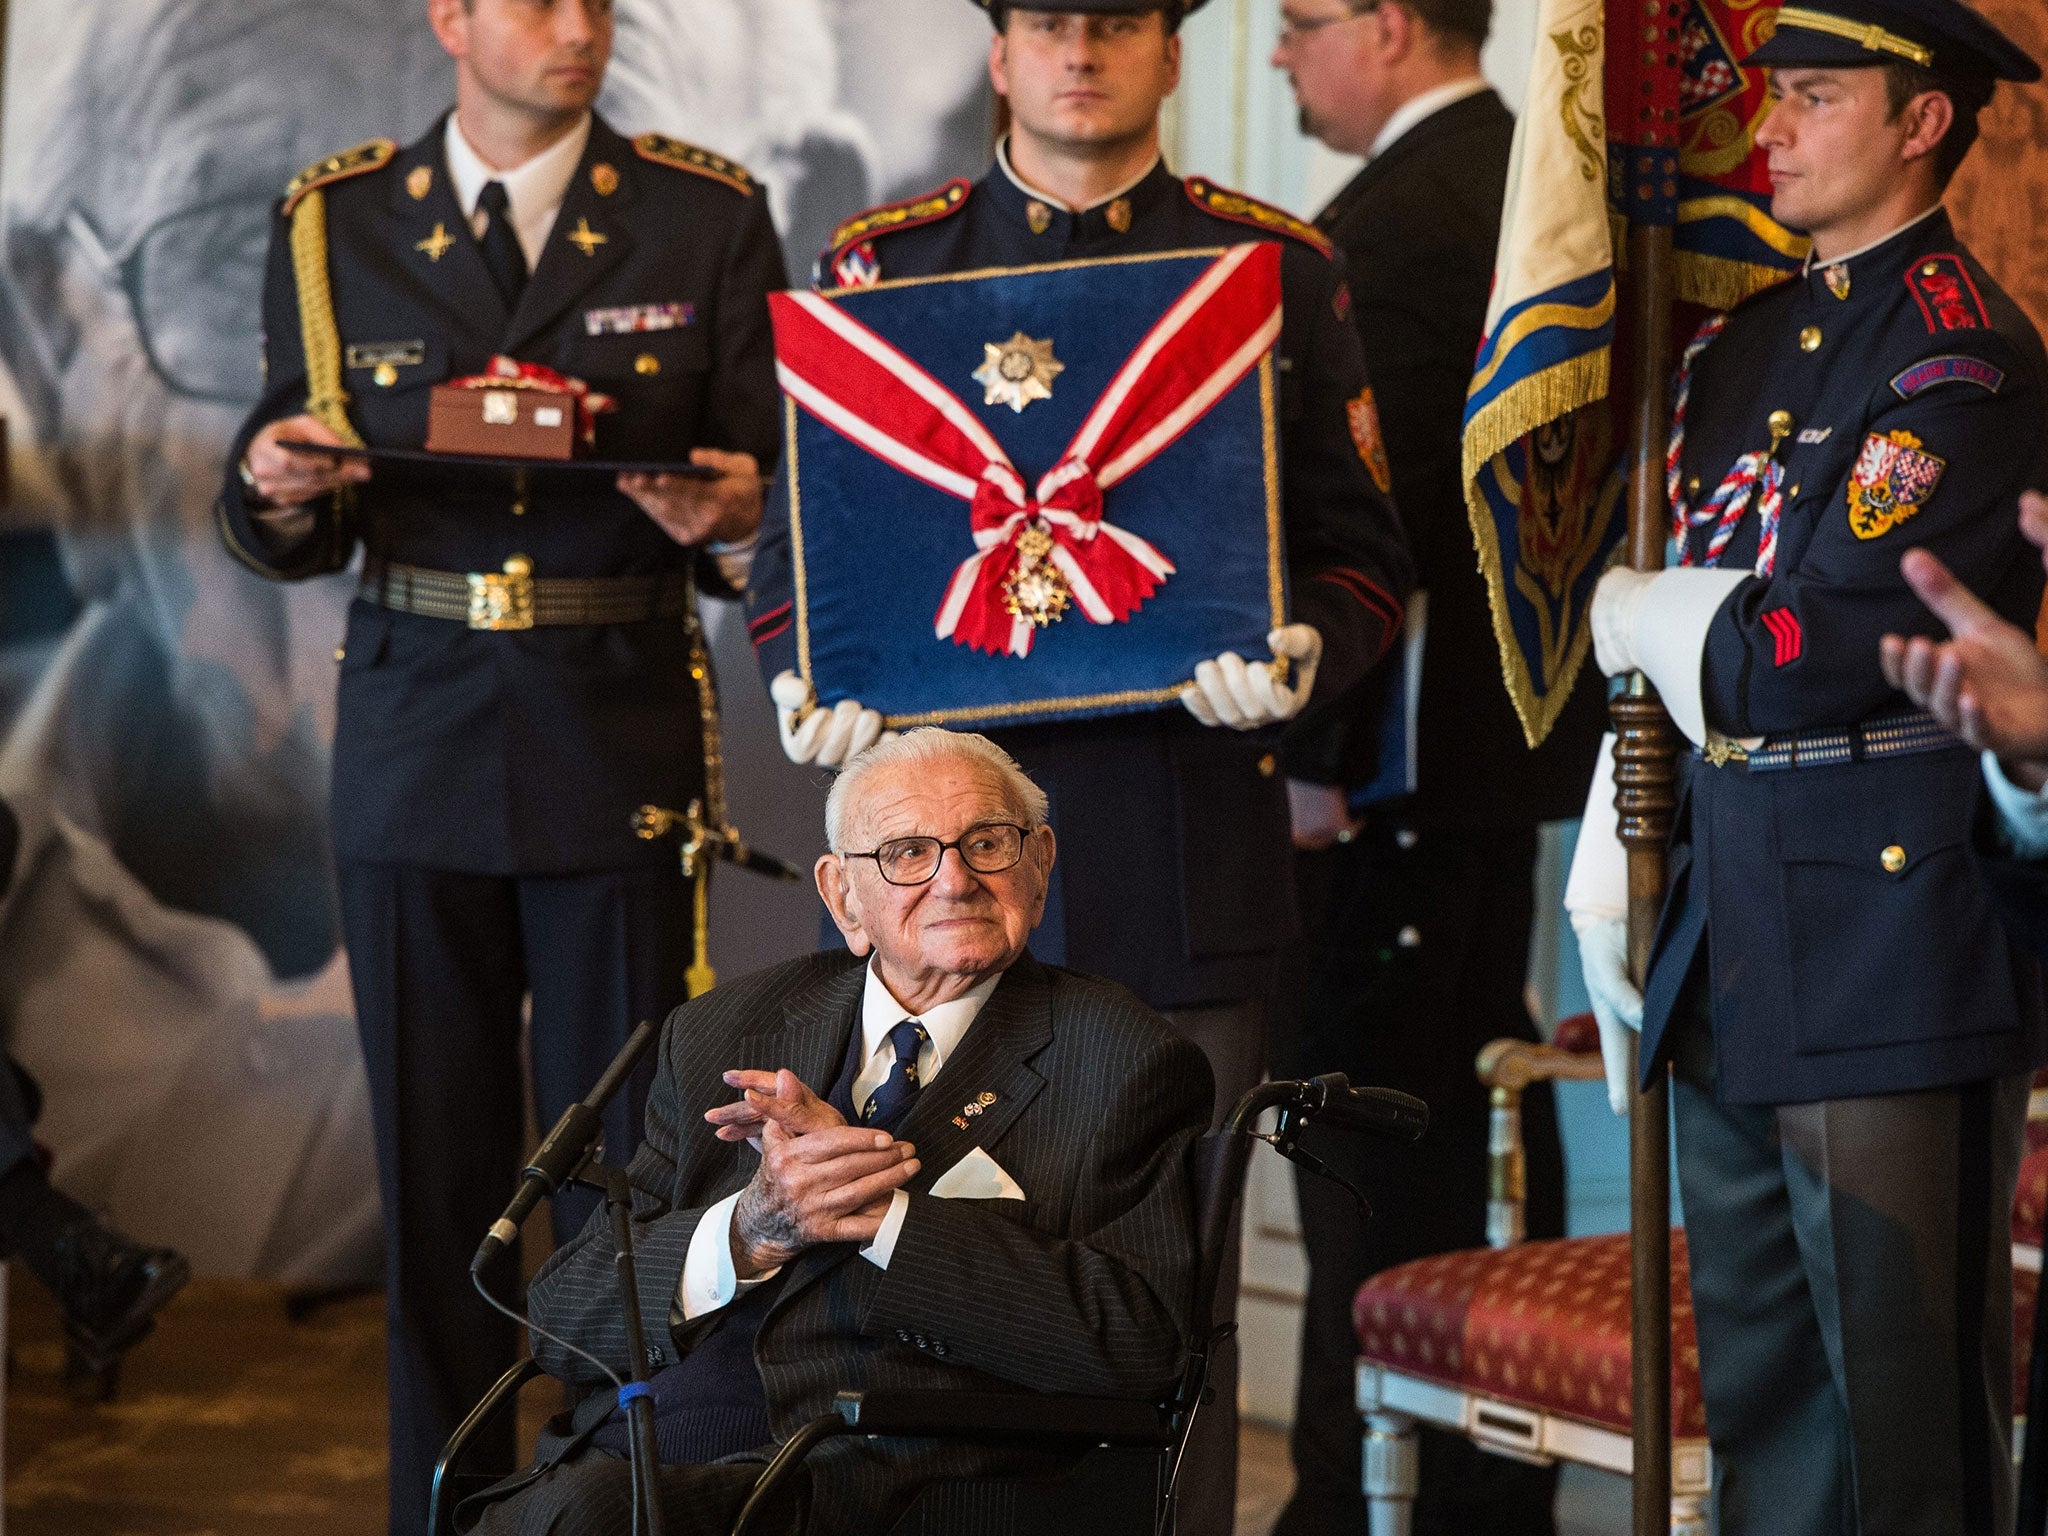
168	961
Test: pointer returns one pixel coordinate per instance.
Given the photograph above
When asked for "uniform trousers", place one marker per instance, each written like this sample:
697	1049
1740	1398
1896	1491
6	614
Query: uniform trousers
1852	1281
442	963
1415	954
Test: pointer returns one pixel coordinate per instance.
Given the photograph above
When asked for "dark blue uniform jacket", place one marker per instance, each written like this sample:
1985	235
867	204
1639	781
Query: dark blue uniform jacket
1917	413
520	752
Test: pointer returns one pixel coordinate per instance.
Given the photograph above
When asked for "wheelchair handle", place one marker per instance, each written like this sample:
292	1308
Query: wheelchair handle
1331	1100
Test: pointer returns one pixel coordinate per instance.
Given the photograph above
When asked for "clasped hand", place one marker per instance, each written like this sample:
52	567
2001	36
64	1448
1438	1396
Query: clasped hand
821	1180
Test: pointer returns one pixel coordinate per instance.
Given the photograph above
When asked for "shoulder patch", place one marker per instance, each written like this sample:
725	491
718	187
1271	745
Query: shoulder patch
371	155
1948	369
678	156
1893	478
886	219
1948	300
1240	209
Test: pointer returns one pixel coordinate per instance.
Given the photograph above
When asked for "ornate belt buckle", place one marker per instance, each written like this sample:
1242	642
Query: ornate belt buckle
1723	750
502	601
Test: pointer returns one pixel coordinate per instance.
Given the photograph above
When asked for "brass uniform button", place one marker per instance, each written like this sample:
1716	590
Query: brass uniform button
1809	339
385	376
1893	859
1930	269
1780	423
518	566
1268	765
340	653
647	364
1693	485
1038	216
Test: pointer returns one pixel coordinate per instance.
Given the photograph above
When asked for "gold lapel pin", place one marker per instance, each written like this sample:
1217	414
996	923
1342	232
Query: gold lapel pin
604	179
586	239
419	181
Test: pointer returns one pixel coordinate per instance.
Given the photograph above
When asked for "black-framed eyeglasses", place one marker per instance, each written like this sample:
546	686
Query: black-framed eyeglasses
987	848
1293	30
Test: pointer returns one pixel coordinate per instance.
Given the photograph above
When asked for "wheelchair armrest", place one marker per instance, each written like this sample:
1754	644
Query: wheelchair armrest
1006	1416
506	1388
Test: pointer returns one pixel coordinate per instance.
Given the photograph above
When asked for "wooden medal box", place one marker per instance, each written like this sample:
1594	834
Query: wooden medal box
517	422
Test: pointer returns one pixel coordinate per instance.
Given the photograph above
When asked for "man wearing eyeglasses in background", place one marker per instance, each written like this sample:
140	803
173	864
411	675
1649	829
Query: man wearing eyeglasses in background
1415	858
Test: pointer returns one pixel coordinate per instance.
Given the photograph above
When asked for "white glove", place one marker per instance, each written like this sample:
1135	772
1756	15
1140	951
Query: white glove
1616	601
825	737
1245	695
1617	1005
1596	898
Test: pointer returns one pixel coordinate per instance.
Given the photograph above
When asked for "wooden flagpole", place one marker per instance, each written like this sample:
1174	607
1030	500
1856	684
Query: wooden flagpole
1645	776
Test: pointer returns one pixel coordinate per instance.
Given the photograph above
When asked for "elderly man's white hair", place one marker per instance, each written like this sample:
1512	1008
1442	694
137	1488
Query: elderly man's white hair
926	747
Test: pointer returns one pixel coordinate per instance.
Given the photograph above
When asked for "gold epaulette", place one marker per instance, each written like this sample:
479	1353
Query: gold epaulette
1240	209
907	214
677	155
372	155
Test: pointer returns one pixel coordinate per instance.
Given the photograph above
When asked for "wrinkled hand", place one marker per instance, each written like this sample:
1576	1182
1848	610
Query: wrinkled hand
1319	815
830	1186
779	1096
1245	695
1989	682
287	478
691	511
1616	601
826	737
1617	1005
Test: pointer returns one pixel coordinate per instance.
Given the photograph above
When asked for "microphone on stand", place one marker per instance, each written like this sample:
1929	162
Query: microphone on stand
568	1147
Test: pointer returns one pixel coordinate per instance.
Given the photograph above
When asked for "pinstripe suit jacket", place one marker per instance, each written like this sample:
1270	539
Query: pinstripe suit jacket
1083	1286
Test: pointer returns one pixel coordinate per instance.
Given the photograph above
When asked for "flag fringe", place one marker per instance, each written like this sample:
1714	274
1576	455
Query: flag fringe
1718	282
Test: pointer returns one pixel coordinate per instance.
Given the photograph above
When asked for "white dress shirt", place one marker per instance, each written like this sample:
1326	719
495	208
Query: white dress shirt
709	1281
1417	108
533	191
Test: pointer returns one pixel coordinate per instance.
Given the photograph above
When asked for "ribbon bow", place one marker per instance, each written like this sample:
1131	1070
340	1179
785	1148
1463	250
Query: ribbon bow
1037	553
503	372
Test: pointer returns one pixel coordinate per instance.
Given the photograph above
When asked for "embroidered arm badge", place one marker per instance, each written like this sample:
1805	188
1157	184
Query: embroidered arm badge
1951	369
1363	413
1948	300
1891	481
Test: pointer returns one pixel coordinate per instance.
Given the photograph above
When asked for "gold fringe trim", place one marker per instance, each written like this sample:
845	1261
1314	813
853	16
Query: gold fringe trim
319	335
1720	283
1555	392
1525	405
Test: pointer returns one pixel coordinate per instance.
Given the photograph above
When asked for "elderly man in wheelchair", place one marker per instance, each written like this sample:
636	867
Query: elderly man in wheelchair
925	1234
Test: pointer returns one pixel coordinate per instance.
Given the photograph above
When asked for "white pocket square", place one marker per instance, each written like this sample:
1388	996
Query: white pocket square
977	1176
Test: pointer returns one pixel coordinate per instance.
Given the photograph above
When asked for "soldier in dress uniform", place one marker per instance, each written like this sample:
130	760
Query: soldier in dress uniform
1182	886
1850	1030
523	667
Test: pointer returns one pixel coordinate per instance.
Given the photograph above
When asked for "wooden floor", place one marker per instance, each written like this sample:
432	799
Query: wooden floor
234	1420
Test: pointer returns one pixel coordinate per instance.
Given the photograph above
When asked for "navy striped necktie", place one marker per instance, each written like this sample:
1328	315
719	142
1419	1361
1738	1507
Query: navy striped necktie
890	1102
503	257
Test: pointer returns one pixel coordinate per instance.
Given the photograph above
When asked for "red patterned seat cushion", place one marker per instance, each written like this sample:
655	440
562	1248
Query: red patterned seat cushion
1546	1326
2030	1201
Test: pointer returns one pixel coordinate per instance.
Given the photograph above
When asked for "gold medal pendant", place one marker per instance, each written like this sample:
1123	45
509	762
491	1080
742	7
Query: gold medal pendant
1035	591
1017	372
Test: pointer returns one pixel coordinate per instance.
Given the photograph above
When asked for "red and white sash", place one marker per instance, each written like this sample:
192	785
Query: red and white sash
865	389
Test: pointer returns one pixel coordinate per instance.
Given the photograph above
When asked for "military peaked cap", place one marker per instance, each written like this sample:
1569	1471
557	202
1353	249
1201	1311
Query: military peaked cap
1946	36
1175	10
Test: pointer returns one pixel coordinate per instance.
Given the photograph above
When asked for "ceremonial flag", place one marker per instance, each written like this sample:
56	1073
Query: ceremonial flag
1033	495
1636	111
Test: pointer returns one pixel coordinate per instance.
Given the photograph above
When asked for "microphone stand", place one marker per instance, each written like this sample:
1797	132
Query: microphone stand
645	1460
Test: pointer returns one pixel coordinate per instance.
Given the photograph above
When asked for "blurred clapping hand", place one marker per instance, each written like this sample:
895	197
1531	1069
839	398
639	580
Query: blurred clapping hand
1988	682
